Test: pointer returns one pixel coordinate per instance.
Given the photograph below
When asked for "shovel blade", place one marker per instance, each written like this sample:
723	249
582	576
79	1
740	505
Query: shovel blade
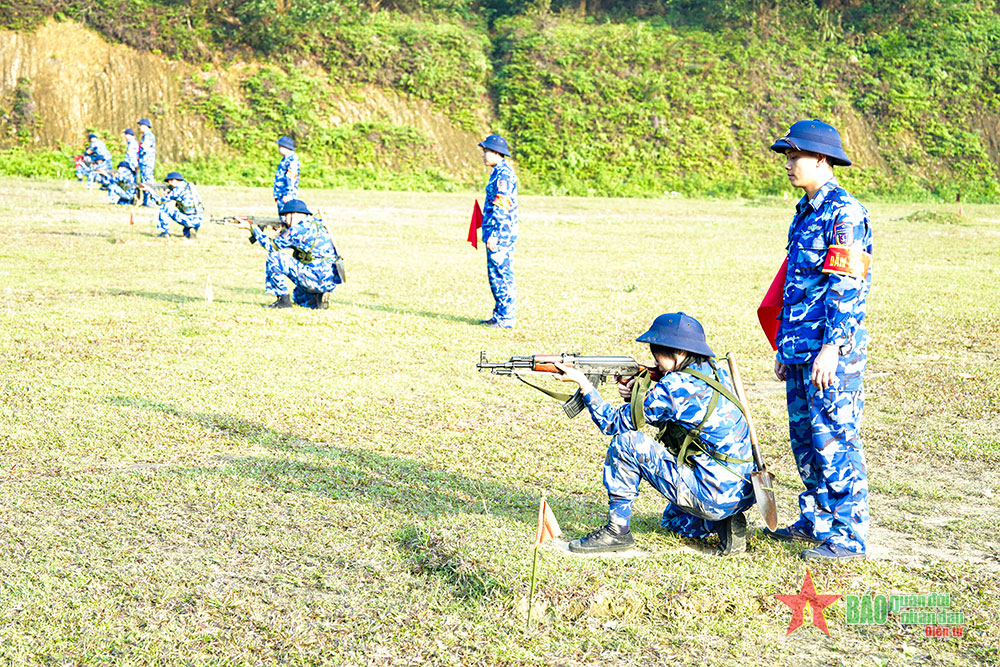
763	491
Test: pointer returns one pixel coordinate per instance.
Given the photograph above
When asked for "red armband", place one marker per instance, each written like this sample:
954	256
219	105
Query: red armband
847	261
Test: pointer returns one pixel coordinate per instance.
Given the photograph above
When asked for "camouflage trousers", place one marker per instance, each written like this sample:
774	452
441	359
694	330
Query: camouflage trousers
145	176
97	173
309	279
827	446
169	212
500	270
118	195
699	495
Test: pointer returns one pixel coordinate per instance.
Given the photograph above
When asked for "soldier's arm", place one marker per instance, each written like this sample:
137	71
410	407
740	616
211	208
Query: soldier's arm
847	266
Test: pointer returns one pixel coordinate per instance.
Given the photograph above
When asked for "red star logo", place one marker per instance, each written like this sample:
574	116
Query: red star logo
808	596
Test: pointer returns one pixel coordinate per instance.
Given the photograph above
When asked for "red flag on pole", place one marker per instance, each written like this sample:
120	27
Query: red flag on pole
770	307
548	527
475	225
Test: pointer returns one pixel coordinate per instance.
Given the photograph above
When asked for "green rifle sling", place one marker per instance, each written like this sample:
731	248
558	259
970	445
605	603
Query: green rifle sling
684	443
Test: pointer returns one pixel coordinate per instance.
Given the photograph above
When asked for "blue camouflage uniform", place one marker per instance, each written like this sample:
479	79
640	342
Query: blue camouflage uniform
286	179
147	161
699	494
186	210
122	188
827	308
100	162
500	222
132	154
311	278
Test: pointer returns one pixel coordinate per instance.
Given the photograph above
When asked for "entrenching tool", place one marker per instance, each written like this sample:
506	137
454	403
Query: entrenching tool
762	480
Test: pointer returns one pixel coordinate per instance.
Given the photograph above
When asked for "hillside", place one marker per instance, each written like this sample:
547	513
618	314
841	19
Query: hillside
625	99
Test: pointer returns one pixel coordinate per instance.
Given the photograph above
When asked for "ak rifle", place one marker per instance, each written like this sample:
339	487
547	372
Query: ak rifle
597	370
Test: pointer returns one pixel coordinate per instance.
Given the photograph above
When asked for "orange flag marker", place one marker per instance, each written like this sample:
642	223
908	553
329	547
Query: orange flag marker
131	218
548	527
770	307
475	224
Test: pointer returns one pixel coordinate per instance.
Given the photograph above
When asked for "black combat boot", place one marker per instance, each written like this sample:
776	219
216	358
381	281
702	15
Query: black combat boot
190	233
732	534
605	539
284	301
323	300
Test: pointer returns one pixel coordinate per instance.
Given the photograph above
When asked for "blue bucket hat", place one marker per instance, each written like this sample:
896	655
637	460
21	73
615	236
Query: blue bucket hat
679	331
129	130
174	176
287	142
495	143
145	121
121	164
91	136
813	136
295	206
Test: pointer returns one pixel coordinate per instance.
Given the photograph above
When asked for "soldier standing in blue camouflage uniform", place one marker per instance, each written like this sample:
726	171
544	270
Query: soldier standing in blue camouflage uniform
822	345
122	189
707	483
100	162
187	209
147	157
500	230
131	151
310	267
286	177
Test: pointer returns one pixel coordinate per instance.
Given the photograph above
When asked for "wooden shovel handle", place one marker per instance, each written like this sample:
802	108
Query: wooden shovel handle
741	394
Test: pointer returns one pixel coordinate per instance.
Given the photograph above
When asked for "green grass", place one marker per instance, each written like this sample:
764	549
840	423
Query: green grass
193	482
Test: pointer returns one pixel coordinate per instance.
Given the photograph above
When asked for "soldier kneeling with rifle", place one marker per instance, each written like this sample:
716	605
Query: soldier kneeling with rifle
701	457
313	265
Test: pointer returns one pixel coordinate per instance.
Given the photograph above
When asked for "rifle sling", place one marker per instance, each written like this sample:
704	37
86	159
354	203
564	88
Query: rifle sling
691	442
559	396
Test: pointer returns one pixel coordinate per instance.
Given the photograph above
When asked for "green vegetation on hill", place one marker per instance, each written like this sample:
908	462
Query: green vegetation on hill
636	98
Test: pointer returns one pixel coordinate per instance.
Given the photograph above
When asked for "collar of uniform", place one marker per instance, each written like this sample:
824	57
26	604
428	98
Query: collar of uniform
820	196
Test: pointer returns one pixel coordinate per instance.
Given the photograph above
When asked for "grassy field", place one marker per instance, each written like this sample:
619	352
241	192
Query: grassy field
211	483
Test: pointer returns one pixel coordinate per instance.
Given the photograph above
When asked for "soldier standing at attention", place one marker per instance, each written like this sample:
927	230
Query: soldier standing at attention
131	151
822	345
310	267
147	157
500	230
701	458
187	210
286	178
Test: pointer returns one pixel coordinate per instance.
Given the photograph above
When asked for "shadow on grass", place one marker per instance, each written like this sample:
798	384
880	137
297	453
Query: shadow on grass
170	298
406	311
357	475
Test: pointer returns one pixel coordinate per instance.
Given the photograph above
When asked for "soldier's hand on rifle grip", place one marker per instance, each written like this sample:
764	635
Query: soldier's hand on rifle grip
625	388
244	223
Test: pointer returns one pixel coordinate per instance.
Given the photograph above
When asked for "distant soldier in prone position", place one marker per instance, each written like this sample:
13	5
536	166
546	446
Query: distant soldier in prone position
310	267
122	187
286	178
187	210
147	157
